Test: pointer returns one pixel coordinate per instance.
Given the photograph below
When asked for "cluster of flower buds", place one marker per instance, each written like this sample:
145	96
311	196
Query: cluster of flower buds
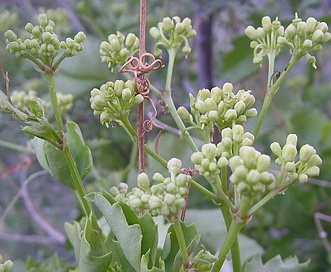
114	100
203	261
302	37
166	198
220	107
118	48
264	39
307	165
171	33
32	105
6	266
212	158
250	171
43	45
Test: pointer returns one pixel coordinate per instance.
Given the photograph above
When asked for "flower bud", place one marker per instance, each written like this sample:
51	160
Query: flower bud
249	155
226	133
292	139
303	178
209	151
239	107
42	19
169	199
322	26
317	36
182	180
230	115
276	149
210	104
290	32
174	164
143	181
180	203
289	152
80	36
306	152
266	24
313	171
168	24
307	44
200	106
315	160
197	157
115	45
290	166
138	99
123	188
184	114
10	36
251	113
263	163
302	29
126	94
235	161
311	60
157	177
242	187
242	119
222	162
105	119
251	33
130	40
114	191
238	133
216	94
227	88
311	25
213	116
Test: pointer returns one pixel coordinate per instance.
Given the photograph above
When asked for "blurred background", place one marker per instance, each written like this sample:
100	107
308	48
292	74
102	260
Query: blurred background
33	207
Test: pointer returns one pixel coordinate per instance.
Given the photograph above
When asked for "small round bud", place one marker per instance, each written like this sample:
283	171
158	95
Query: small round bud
138	99
302	29
313	171
126	94
184	114
157	177
290	166
8	265
322	26
251	33
227	87
171	188
292	139
311	24
317	36
200	106
209	151
230	115
303	178
238	133
249	155
290	32
213	116
263	163
168	24
130	40
216	94
315	160
210	104
276	149
251	113
306	152
114	191
10	35
266	24
289	152
174	164
239	107
222	162
143	181
169	199
241	171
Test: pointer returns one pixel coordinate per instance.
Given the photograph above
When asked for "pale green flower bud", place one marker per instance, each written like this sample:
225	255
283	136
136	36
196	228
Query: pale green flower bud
200	106
80	36
123	188
313	171
251	33
241	171
247	142
205	163
276	149
114	191
226	133
317	36
251	113
239	107
157	177
230	115
303	178
213	168
263	163
306	152
311	60
322	26
290	32
210	104
260	33
267	178
181	180
227	143
238	133
315	160
266	24
242	187
311	25
180	203
138	99
216	94
174	164
290	166
213	116
283	41
134	202
289	152
292	139
169	199
184	114
235	161
145	198
179	27
227	87
104	119
171	188
302	29
155	33
197	157
249	156
126	94
168	24
115	45
326	38
307	44
253	44
42	19
143	181
209	150
253	176
130	40
222	162
203	94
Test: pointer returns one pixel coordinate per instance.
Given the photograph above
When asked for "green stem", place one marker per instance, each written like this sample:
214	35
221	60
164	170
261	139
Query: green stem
49	76
181	241
235	251
273	88
16	147
170	103
205	191
231	237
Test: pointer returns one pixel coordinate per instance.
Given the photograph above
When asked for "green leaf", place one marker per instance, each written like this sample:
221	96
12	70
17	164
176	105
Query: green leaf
144	264
80	152
128	236
88	251
171	254
53	159
276	264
